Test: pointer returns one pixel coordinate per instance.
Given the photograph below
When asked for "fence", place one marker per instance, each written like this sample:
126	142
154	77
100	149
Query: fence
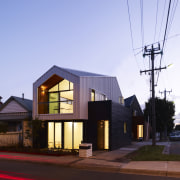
10	138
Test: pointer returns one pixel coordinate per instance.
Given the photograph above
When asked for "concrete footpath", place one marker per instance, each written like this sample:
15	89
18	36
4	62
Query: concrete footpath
113	161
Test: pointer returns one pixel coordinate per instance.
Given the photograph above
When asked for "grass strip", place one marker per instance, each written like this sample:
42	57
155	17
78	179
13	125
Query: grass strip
152	153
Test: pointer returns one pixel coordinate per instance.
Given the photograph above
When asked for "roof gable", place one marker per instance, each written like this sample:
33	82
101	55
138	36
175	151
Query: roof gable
64	73
82	73
16	104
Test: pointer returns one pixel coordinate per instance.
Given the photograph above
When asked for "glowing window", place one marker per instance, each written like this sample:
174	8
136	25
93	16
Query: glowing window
68	135
61	98
64	85
125	127
106	134
51	135
58	135
78	134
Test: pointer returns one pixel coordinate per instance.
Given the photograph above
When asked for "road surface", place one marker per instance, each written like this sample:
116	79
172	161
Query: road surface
16	170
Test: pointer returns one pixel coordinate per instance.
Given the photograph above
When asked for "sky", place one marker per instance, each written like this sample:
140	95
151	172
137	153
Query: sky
89	35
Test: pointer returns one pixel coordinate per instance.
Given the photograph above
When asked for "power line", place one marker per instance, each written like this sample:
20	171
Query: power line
142	24
175	3
164	39
156	19
166	27
173	36
132	41
162	19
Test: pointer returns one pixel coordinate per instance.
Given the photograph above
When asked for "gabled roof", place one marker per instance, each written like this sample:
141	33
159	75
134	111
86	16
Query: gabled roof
26	103
55	70
132	102
128	101
81	73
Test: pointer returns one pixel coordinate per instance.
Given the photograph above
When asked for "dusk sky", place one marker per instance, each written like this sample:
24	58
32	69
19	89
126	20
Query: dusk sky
88	35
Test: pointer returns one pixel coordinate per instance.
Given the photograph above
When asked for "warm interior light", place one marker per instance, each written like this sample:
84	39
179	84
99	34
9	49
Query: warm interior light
43	88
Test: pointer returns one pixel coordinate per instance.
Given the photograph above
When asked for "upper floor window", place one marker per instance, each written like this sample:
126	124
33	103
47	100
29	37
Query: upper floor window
121	100
93	95
57	99
96	96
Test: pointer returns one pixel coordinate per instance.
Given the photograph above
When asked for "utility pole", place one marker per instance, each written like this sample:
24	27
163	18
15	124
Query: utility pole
152	52
165	91
165	127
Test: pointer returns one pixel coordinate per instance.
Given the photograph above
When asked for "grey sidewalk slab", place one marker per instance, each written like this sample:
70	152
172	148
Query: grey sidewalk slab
146	167
158	168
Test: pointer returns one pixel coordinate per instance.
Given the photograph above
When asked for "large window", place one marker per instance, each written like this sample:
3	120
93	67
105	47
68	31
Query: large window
73	134
54	135
61	98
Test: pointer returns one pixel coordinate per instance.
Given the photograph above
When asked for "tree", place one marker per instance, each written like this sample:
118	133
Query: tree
164	115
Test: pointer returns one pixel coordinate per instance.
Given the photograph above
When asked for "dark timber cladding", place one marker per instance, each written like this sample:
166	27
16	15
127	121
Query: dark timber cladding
117	116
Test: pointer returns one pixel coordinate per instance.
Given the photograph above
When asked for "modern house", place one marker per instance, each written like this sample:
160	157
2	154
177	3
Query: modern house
138	122
14	115
78	106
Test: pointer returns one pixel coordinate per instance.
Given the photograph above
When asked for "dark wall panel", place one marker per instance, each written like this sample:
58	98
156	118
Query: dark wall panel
117	115
120	114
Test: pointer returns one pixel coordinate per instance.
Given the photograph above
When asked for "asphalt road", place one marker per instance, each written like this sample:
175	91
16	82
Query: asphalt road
175	147
31	171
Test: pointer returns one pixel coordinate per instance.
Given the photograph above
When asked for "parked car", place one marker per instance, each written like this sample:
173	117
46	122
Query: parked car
174	136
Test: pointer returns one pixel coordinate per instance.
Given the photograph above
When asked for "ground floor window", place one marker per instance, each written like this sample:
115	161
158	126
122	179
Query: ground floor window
66	135
54	135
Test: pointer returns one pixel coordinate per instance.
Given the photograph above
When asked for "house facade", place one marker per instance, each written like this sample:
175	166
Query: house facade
139	126
64	99
15	114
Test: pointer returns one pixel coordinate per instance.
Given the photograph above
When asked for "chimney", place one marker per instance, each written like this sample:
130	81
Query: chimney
23	96
0	99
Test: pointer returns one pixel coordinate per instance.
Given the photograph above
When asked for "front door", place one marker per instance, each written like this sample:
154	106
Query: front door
103	134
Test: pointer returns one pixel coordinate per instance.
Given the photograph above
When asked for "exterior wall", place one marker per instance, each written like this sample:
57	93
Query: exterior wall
97	110
137	120
117	115
135	106
120	114
105	85
82	93
27	134
64	74
13	106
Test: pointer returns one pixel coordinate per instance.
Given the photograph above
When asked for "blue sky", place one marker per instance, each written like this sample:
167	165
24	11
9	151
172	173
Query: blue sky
89	35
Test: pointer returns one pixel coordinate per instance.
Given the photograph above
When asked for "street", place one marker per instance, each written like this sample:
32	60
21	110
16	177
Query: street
175	147
33	171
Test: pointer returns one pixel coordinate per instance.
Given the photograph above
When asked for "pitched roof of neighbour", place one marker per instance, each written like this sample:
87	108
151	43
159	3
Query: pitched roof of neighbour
26	103
80	73
128	101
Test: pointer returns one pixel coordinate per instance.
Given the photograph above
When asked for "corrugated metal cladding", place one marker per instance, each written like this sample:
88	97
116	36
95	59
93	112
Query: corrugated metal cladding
82	91
105	85
66	75
13	107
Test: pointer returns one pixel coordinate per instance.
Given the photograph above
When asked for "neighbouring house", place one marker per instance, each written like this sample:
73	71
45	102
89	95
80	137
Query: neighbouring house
77	106
1	101
15	115
139	125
